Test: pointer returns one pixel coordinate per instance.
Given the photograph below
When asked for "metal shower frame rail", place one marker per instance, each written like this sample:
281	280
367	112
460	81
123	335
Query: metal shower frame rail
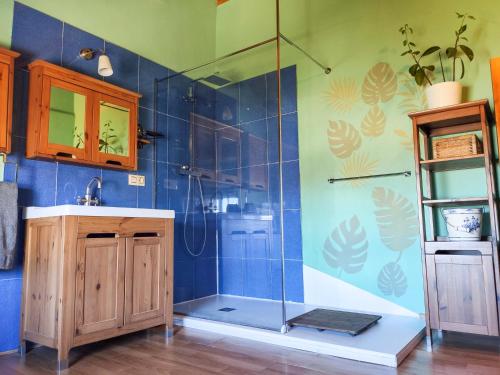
325	68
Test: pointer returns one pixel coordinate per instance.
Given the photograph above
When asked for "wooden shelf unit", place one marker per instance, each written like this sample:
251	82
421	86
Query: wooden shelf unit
461	279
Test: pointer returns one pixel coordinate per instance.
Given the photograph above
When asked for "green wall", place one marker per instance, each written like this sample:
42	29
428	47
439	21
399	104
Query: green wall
366	234
173	33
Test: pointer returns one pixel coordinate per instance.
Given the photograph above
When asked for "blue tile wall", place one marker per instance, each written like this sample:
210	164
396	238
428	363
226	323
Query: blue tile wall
44	183
250	255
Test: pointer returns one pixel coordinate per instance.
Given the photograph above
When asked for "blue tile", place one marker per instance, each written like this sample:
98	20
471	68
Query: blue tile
10	313
162	144
36	178
178	141
288	91
293	235
254	143
291	185
20	102
180	252
294	281
183	281
148	72
145	193
146	119
205	277
36	35
289	142
125	67
290	137
179	104
258	245
116	191
276	280
205	100
232	245
257	278
226	105
72	181
255	178
253	99
177	187
231	276
162	96
162	185
73	41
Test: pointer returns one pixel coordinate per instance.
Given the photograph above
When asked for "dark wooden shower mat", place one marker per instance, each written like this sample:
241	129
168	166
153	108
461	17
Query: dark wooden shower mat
334	320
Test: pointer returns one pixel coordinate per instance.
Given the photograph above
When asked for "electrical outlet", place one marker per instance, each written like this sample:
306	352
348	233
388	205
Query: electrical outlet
136	180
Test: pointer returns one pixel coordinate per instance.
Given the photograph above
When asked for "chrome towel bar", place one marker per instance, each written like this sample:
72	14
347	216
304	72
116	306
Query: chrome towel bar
404	174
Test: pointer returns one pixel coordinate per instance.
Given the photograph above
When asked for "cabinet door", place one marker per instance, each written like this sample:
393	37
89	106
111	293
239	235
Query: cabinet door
462	293
228	156
115	131
99	284
145	279
66	118
4	107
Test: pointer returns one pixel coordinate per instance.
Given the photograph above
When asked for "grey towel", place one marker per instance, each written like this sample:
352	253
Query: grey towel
8	224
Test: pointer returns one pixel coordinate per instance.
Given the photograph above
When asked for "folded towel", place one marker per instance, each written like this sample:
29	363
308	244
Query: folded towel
8	224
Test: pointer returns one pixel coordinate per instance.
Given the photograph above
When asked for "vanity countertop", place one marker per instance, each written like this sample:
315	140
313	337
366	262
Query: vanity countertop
74	210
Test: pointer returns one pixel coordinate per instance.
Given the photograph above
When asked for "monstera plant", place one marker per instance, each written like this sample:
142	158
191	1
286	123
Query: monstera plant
449	91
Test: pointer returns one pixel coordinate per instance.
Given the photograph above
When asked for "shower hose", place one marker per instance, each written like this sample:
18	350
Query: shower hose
190	250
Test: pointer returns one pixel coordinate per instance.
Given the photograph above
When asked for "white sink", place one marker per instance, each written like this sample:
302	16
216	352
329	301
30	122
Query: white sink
73	210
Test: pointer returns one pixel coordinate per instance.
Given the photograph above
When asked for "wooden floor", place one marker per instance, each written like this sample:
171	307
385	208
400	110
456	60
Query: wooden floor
197	352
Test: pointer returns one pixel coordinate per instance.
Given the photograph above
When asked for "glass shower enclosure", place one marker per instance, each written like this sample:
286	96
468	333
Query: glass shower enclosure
229	167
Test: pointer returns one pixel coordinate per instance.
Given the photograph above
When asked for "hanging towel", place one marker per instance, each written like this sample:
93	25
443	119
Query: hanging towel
8	224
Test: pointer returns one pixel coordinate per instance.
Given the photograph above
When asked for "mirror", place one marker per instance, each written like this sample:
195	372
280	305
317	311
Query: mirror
67	118
114	124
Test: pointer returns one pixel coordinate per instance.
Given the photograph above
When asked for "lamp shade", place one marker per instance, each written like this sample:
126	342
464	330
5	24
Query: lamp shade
104	68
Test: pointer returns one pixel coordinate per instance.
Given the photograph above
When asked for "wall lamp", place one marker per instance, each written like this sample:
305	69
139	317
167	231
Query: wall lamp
104	67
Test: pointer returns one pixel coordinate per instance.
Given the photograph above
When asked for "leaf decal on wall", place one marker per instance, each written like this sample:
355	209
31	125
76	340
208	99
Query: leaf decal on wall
406	140
358	165
413	97
374	122
396	219
347	246
343	94
343	138
392	280
380	84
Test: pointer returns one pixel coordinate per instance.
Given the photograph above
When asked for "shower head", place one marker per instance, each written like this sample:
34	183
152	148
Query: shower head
216	80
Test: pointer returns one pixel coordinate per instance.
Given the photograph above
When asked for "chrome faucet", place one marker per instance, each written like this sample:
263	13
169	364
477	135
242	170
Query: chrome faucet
88	200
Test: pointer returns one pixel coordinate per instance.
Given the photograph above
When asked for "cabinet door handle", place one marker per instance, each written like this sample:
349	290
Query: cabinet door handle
113	162
65	155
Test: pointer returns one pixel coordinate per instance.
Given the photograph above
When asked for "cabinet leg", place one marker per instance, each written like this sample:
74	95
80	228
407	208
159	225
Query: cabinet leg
24	347
428	340
62	360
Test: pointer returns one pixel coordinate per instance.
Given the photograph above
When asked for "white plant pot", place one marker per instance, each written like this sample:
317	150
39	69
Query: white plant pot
463	224
443	94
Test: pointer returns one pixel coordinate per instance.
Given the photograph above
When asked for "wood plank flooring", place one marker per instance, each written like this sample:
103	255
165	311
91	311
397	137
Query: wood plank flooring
192	352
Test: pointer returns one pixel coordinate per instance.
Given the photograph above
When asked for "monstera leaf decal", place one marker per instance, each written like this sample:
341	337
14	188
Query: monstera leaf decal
344	138
380	84
358	165
396	219
412	96
392	280
347	247
374	122
405	137
343	94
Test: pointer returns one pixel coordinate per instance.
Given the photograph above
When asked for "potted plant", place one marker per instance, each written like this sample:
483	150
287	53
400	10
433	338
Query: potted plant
447	92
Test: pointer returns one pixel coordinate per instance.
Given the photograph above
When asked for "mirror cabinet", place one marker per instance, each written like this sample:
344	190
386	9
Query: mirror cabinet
7	58
80	119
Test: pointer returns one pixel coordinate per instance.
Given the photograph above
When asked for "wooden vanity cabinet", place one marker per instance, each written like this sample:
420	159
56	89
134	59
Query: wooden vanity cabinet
80	119
91	278
7	58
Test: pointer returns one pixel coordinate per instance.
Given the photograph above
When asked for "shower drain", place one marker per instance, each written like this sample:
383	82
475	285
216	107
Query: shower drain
227	309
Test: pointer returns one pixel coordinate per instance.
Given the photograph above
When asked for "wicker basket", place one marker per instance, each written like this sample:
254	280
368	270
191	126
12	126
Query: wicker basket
454	147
